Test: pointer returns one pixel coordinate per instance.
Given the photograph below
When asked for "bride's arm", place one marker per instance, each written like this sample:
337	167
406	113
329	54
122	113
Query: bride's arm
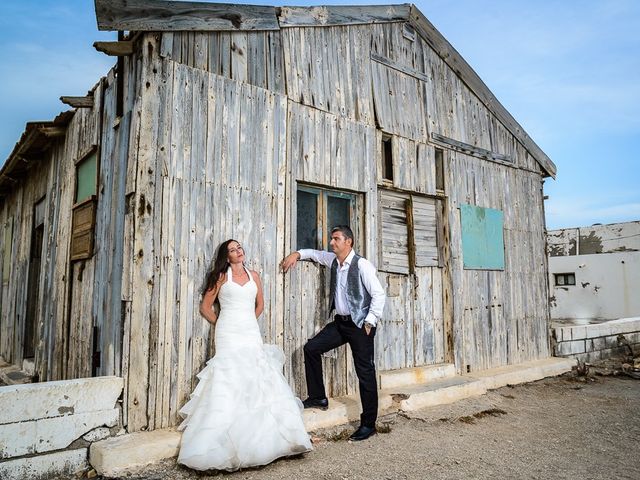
208	299
259	295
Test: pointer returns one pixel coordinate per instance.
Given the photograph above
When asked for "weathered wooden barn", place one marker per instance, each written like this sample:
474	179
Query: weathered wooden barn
270	125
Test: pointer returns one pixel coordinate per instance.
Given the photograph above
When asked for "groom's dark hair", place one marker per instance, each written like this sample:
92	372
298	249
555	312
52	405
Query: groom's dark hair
346	231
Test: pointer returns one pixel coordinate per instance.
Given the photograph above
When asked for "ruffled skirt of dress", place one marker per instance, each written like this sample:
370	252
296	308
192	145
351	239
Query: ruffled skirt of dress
242	412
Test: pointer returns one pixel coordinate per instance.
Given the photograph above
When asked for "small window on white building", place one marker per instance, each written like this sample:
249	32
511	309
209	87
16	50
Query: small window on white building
564	279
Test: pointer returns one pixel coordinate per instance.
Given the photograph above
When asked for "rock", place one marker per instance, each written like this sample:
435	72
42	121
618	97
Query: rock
97	434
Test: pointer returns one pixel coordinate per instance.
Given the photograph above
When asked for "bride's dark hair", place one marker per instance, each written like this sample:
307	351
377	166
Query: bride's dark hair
219	266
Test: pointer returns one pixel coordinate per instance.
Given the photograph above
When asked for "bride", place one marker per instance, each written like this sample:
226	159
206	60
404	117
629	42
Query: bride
242	412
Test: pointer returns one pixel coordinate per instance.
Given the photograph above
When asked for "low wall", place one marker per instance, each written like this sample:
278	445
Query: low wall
46	428
590	343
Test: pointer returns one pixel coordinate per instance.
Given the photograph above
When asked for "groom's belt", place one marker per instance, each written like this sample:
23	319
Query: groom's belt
343	318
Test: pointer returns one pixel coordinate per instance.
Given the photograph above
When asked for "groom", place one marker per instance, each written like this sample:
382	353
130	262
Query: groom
358	299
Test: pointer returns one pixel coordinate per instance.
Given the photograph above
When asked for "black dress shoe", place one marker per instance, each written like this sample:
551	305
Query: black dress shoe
362	433
321	403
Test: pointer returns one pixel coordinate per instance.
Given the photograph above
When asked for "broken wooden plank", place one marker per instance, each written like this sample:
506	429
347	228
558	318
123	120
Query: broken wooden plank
401	68
470	149
78	102
121	48
158	15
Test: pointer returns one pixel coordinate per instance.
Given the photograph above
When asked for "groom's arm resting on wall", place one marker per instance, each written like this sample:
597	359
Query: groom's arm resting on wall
318	256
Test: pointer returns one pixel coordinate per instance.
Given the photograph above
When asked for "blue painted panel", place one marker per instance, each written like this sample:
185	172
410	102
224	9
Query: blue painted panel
482	238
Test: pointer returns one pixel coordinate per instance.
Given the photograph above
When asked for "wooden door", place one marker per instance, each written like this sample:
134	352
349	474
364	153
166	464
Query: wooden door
33	289
410	264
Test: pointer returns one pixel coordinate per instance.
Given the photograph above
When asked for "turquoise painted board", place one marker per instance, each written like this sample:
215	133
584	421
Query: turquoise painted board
482	238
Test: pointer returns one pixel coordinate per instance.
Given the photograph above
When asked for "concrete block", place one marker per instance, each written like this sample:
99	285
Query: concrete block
623	325
412	376
632	337
51	399
598	343
339	411
596	330
49	434
578	332
41	467
591	357
17	439
117	455
613	327
60	432
343	410
524	372
570	348
595	356
611	342
440	393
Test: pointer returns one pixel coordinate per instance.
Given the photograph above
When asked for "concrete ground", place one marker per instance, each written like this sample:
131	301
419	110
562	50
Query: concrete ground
564	427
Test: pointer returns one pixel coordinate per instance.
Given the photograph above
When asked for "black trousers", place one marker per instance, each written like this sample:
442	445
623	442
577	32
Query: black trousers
332	336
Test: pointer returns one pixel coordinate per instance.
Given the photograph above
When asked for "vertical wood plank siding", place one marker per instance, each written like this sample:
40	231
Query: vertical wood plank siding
219	129
220	177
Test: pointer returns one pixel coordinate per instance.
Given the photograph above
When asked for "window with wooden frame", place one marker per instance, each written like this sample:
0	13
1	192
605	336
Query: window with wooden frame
439	159
84	207
387	158
318	211
409	232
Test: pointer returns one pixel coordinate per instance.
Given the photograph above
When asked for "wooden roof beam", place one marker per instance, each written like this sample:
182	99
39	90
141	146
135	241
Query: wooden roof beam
122	48
162	15
54	131
342	15
78	102
11	180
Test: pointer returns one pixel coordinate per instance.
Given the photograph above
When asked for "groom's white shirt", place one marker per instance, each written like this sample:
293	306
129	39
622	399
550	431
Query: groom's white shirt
368	277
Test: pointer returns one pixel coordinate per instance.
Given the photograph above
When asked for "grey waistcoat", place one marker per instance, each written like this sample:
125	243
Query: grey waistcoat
358	298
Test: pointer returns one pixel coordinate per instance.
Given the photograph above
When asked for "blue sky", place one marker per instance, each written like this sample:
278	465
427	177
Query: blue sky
567	70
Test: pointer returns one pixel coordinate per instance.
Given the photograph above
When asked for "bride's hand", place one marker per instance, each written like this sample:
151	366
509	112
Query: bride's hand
289	261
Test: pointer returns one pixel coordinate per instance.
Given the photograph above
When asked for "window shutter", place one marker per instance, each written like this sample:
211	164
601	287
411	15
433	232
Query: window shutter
425	231
394	242
83	223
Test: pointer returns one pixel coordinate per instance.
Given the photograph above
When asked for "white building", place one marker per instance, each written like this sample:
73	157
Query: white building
594	272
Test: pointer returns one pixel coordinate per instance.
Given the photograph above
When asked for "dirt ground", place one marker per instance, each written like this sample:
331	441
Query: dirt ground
566	427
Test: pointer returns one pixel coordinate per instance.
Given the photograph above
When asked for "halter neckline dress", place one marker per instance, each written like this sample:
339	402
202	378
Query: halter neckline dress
242	413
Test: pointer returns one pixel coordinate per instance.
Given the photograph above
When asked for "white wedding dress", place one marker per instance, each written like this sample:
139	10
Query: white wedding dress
242	412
